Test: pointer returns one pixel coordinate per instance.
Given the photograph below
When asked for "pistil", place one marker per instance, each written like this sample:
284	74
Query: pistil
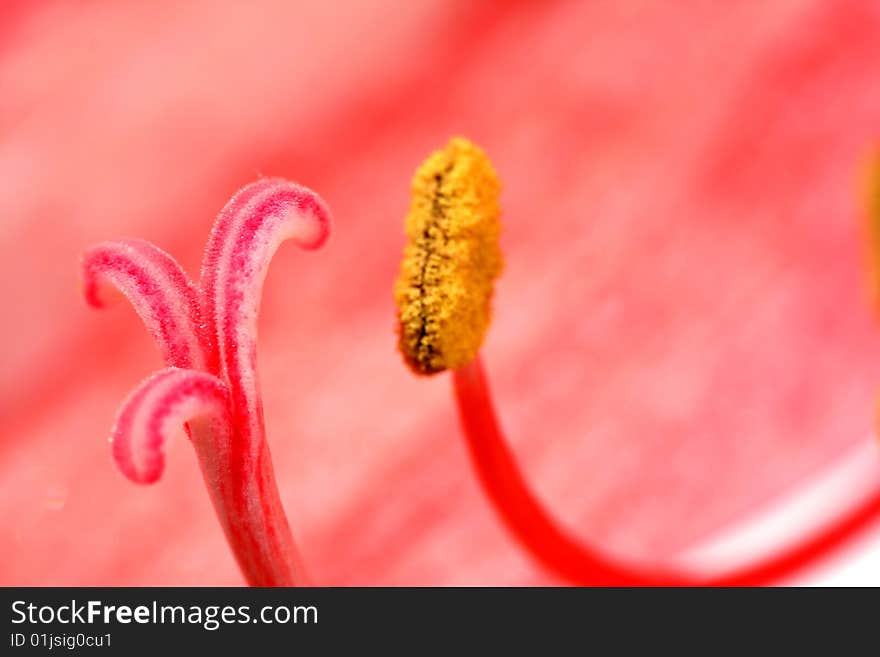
207	335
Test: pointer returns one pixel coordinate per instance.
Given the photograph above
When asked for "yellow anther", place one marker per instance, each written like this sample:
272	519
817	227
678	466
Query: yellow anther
451	259
871	196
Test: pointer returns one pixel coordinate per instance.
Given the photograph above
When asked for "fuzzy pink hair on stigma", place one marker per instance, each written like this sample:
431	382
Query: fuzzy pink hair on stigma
246	235
157	409
207	334
159	290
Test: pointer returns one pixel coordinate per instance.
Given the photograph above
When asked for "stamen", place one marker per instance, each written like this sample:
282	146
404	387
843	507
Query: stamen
871	200
446	278
585	565
443	295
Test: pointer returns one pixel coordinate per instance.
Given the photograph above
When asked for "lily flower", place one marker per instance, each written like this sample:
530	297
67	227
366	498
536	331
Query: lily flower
682	339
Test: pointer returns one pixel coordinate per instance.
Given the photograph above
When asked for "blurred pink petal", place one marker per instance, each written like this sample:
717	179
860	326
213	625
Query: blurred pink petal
681	334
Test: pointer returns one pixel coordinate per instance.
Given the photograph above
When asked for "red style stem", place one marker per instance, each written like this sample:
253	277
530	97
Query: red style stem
207	333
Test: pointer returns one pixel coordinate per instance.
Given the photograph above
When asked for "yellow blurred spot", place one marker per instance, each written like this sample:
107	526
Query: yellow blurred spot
55	498
871	196
451	259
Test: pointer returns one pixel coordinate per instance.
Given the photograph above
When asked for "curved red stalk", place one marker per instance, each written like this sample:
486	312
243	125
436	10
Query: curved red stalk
207	335
579	563
246	235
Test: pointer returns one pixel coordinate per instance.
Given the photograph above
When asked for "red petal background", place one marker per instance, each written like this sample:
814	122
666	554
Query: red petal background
681	335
